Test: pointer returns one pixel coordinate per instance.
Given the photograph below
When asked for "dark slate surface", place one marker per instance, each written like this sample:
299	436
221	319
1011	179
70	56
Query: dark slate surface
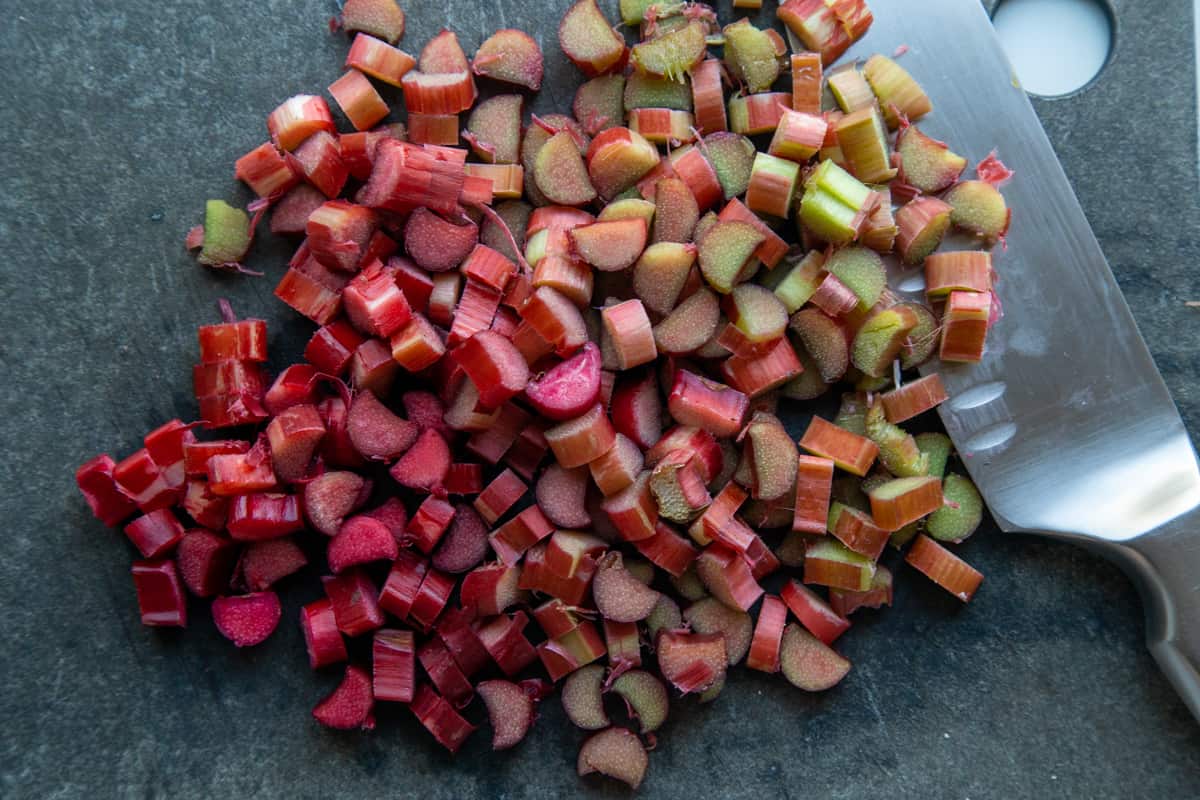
119	119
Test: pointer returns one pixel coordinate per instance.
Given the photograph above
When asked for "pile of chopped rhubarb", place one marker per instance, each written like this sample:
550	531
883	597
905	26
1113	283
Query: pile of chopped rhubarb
533	442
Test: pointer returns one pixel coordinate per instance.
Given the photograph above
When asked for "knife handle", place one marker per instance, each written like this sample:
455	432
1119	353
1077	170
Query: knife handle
1165	566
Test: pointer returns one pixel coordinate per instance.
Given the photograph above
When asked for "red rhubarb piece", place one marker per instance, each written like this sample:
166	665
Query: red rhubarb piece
160	595
322	638
247	620
349	705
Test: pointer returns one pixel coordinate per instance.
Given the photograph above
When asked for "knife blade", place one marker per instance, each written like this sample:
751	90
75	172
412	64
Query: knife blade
1066	425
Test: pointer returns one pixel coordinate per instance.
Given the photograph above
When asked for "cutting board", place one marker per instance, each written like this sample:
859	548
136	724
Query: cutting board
120	121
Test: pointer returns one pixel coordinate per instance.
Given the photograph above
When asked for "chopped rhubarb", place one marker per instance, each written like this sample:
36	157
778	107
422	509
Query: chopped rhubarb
160	595
944	568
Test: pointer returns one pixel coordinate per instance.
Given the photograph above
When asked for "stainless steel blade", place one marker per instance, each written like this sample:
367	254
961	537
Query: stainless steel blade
1066	425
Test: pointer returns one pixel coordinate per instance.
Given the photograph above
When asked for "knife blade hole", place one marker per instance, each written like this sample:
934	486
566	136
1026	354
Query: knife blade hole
1056	47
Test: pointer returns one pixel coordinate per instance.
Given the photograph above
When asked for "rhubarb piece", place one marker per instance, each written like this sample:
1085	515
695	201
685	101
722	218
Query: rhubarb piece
566	653
438	93
617	159
863	142
618	468
904	500
880	339
963	271
751	56
835	205
828	562
424	465
706	404
648	91
226	236
297	118
464	545
806	82
598	104
322	638
295	386
294	436
319	160
266	563
637	409
444	673
692	323
494	366
824	340
515	215
899	95
757	320
358	99
708	96
964	326
337	449
663	125
355	603
645	698
338	234
560	494
376	432
429	523
520	533
813	612
583	439
768	635
844	602
944	568
560	173
662	271
629	330
667	550
922	224
672	54
710	616
937	447
633	511
898	451
431	599
808	663
623	643
439	129
267	172
618	595
436	244
568	389
727	577
861	270
610	246
330	497
160	595
510	56
856	530
757	114
628	208
360	540
772	457
102	492
588	39
205	508
348	706
666	615
582	700
772	185
691	662
379	60
724	252
382	18
961	515
798	136
499	496
926	163
690	165
155	534
494	129
978	208
850	89
678	487
616	753
440	719
914	398
506	644
205	561
510	712
248	619
394	665
676	214
490	589
826	28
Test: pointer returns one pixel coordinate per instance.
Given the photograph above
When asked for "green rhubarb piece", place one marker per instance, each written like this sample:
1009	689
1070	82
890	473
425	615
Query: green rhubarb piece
704	225
800	283
226	234
732	158
808	384
927	163
978	208
634	11
880	338
724	252
677	212
531	143
629	208
599	104
922	340
560	172
839	183
650	91
850	89
751	56
672	54
832	203
495	125
824	340
665	616
898	451
937	448
861	269
868	383
961	515
689	585
852	414
646	696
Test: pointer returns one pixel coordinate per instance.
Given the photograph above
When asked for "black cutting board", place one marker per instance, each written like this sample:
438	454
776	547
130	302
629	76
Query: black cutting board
118	121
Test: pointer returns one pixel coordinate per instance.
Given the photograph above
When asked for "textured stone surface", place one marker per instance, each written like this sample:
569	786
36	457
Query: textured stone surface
119	119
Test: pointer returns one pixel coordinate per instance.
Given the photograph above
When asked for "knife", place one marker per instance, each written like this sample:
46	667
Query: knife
1066	425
